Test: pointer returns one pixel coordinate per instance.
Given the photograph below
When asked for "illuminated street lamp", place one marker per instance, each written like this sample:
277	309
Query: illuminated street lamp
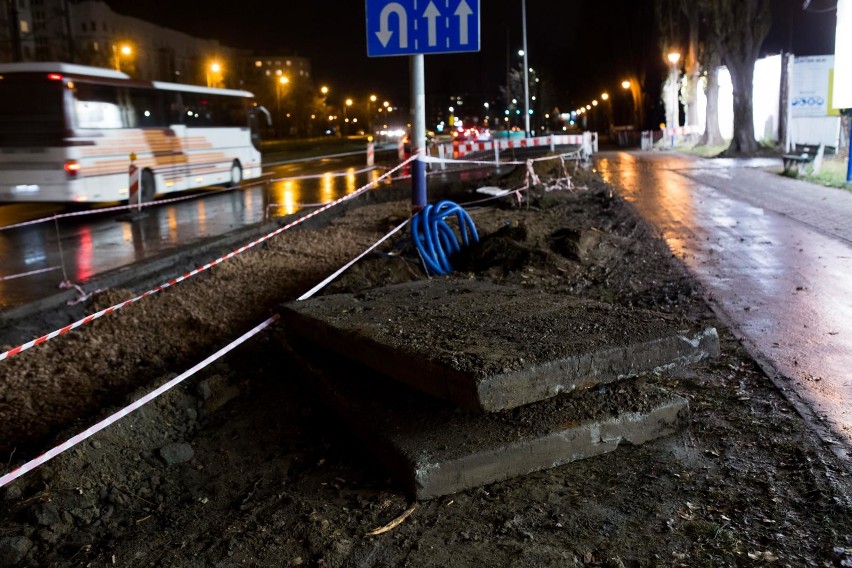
348	103
672	110
526	70
213	74
636	97
119	50
371	101
324	90
279	84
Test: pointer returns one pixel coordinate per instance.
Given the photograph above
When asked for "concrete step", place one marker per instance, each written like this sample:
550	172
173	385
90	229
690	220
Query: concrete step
486	347
432	449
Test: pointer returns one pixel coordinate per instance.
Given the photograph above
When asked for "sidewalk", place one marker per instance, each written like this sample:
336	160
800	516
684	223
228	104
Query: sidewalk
826	209
774	256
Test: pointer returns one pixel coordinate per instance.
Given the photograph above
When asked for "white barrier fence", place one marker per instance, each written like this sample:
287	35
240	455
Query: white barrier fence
667	135
588	141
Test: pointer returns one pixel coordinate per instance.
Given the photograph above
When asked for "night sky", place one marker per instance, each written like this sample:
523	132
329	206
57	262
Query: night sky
582	48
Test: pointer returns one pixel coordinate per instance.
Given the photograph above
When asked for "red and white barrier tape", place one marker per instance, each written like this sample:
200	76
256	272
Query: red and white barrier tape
115	417
70	443
30	273
92	317
346	266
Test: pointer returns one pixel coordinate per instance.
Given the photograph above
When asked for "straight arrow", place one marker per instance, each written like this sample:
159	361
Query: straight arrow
384	34
463	12
432	14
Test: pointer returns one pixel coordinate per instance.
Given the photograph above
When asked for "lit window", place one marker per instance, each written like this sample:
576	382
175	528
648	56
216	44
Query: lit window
289	63
258	63
25	27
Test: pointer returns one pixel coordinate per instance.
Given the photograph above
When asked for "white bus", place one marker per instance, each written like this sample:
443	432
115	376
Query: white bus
67	133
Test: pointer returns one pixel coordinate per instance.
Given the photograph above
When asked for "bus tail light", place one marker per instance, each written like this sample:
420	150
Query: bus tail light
54	77
72	167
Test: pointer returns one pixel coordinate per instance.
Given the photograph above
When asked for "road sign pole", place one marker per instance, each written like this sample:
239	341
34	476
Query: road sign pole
418	137
849	160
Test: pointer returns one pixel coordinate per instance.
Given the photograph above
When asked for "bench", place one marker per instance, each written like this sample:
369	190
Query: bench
805	154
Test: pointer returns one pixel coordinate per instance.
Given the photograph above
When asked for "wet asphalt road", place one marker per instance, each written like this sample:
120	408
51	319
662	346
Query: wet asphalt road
775	257
34	260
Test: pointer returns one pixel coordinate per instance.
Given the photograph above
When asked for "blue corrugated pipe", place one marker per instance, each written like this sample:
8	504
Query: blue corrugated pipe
434	238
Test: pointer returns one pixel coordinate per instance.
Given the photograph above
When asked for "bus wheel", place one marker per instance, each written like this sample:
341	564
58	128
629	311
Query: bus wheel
236	174
149	186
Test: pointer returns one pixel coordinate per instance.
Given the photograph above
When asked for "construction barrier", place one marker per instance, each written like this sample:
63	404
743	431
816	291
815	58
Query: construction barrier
588	141
371	154
133	189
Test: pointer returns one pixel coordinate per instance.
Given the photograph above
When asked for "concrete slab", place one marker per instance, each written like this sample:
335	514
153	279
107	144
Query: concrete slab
432	449
487	347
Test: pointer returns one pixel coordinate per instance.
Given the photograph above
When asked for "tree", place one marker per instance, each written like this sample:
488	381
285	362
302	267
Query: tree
692	11
710	56
742	25
712	135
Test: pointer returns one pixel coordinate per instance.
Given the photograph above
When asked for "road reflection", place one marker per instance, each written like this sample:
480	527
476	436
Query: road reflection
94	244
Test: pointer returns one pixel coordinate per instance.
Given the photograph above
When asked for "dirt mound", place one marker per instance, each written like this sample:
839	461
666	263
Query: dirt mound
240	466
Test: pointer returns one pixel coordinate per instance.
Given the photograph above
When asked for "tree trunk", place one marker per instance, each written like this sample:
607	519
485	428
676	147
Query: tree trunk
692	69
712	135
742	77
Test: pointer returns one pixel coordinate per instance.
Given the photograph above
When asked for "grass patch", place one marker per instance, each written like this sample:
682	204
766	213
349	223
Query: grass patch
704	151
832	174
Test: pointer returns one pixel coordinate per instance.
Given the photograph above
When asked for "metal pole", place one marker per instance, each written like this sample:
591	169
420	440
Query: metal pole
849	162
526	73
418	138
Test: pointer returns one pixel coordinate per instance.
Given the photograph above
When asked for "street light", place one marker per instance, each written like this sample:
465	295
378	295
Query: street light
117	51
526	70
215	69
282	80
346	106
672	110
372	101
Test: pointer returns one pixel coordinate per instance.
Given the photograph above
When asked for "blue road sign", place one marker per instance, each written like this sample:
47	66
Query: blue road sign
406	27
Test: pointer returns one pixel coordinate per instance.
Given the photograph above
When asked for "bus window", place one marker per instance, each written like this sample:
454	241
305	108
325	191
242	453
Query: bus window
97	106
146	108
233	111
198	110
31	111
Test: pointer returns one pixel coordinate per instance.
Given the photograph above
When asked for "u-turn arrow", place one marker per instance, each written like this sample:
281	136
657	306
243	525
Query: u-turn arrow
384	34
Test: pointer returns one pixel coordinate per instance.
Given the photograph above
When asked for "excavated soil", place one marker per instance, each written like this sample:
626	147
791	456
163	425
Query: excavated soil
241	466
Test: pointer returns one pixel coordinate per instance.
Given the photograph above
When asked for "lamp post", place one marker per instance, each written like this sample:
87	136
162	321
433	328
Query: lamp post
370	102
608	119
214	69
346	106
282	80
526	71
672	114
118	51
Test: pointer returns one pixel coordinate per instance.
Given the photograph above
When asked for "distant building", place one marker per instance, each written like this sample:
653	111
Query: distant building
91	33
155	52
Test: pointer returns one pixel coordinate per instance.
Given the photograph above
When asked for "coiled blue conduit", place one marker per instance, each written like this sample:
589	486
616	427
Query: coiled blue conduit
435	240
